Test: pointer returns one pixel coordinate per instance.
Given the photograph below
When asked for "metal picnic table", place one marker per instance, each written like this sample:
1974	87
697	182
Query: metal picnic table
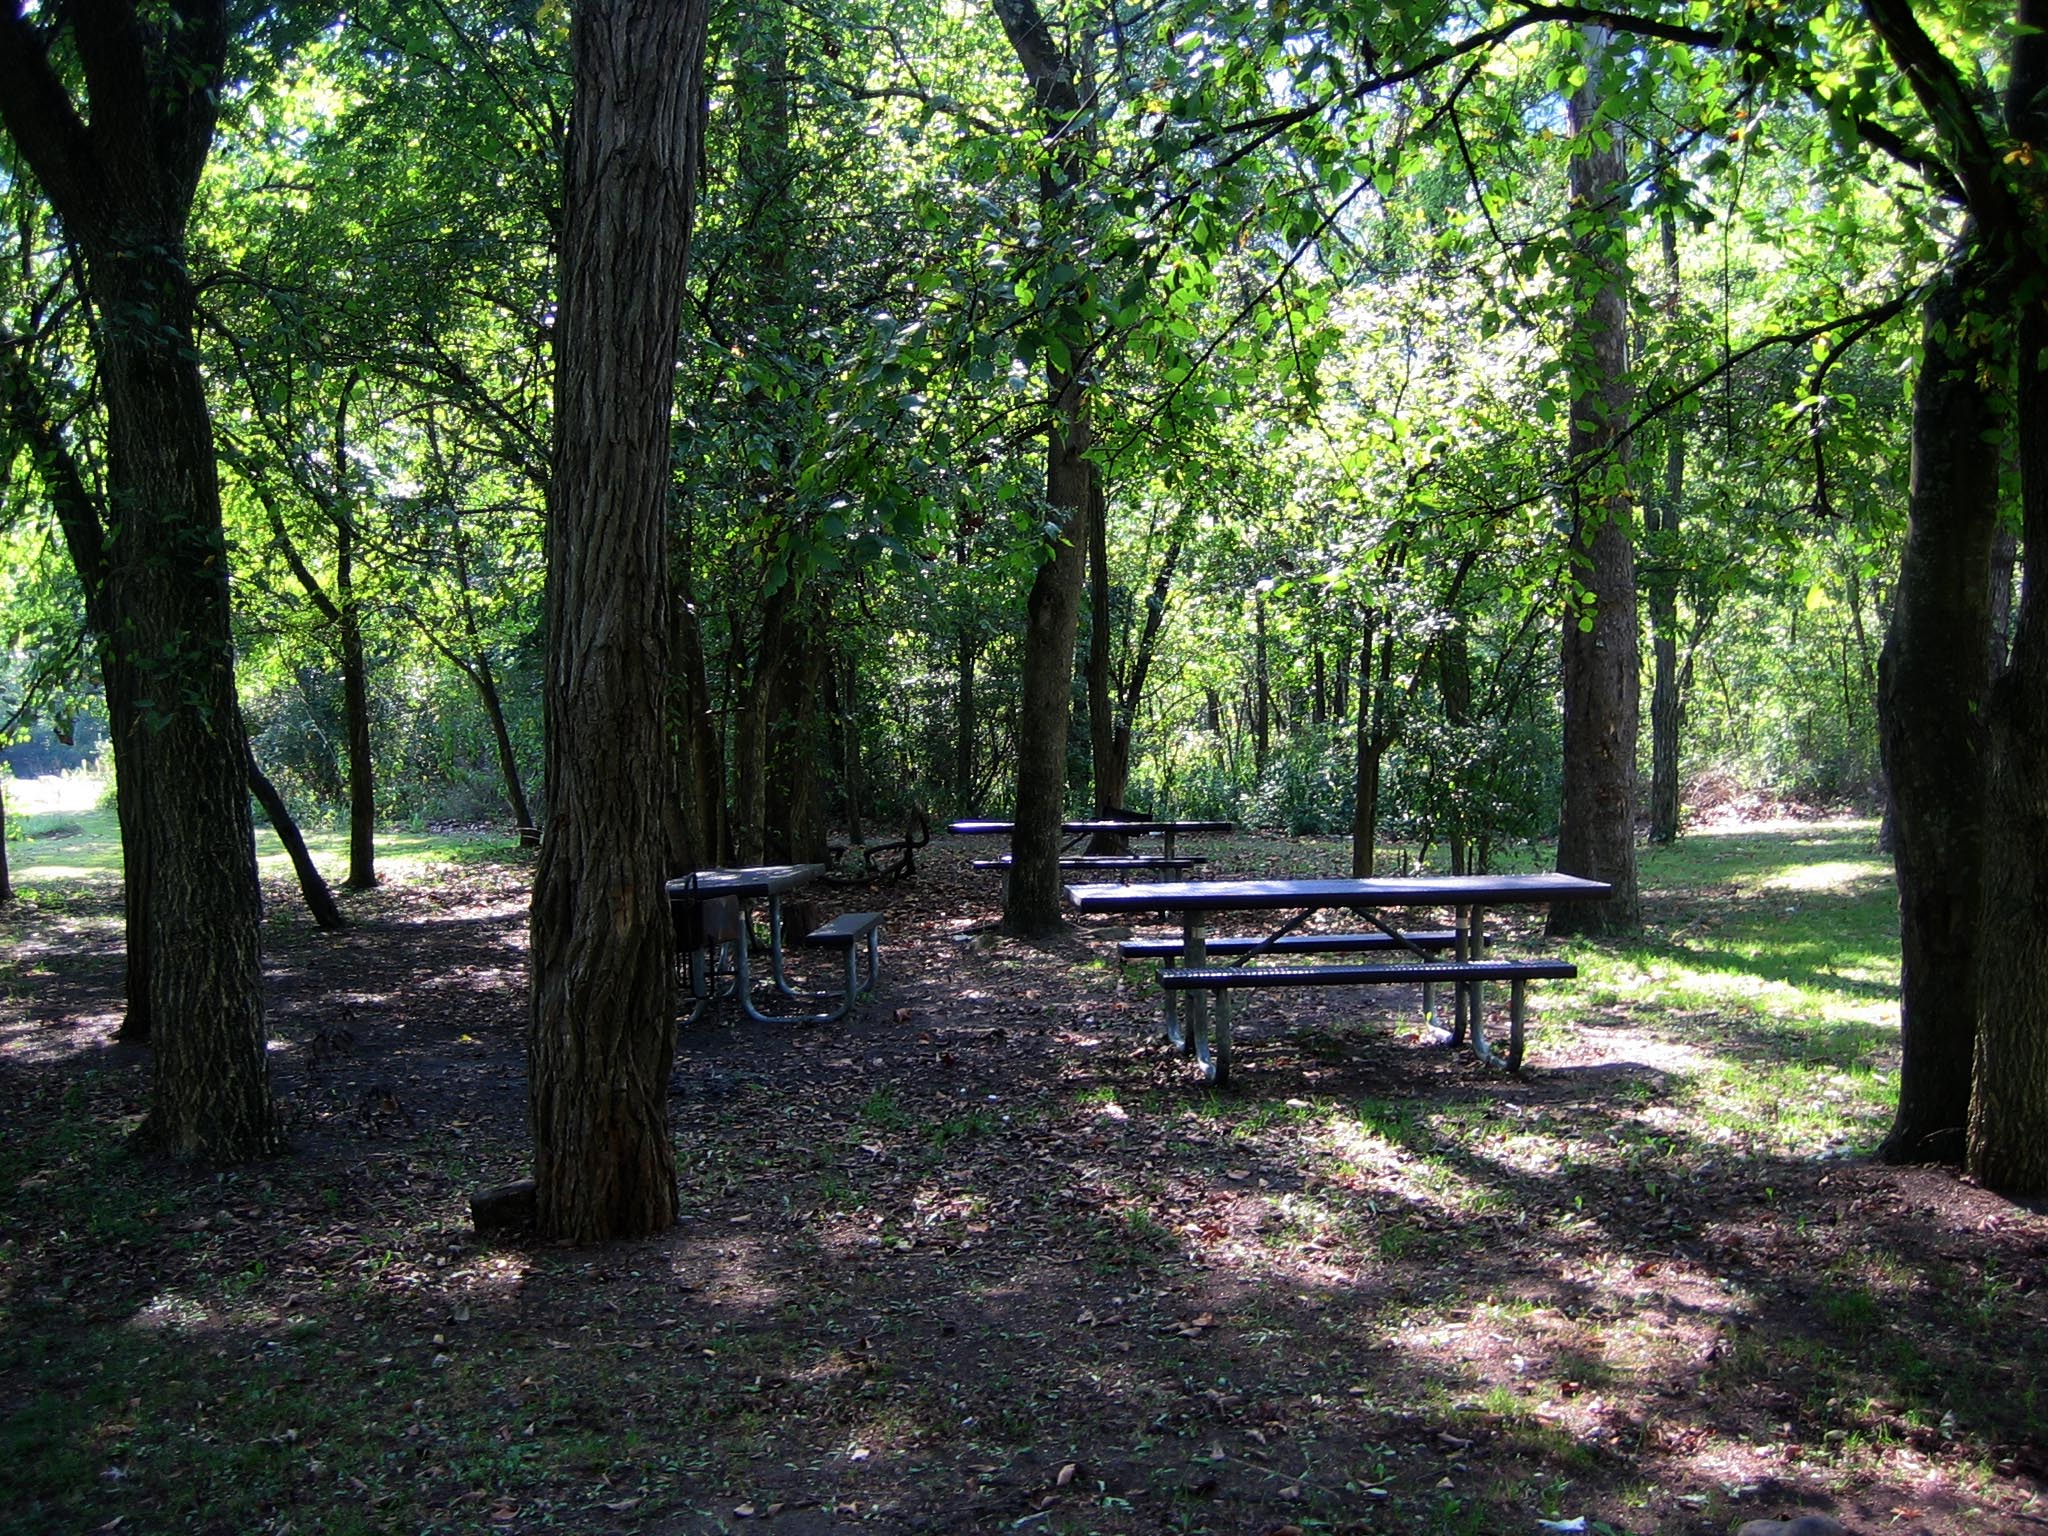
1193	902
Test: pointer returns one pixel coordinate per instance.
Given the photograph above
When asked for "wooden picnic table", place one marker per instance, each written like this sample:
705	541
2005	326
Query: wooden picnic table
1194	902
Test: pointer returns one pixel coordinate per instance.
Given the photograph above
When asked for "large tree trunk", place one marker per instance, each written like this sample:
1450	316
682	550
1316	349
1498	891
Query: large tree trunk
1932	684
169	586
1032	900
1601	687
602	1041
2008	1136
124	188
2008	1150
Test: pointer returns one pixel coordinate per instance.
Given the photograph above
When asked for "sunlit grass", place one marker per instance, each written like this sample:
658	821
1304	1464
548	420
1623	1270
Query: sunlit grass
62	828
1797	927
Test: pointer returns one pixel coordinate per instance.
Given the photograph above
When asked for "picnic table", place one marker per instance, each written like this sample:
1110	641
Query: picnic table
1118	826
1194	902
1165	862
852	932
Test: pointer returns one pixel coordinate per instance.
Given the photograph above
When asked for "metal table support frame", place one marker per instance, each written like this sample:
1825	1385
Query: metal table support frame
772	882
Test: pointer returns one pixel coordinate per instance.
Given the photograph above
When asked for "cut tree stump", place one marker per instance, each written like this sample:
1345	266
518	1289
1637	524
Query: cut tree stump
504	1209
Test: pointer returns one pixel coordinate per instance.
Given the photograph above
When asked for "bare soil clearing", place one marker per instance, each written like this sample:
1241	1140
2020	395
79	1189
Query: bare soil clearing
983	1257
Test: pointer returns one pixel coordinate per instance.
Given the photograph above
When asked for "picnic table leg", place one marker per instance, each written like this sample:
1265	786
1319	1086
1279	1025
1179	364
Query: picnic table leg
1478	987
1195	953
743	984
1218	1061
775	947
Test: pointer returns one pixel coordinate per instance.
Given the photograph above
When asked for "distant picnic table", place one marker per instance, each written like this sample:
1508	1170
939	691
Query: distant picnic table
1165	862
1419	953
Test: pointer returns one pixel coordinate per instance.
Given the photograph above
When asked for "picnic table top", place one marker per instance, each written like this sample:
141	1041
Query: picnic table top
1131	828
1389	891
758	880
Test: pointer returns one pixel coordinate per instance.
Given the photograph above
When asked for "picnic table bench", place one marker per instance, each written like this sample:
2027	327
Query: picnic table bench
1205	987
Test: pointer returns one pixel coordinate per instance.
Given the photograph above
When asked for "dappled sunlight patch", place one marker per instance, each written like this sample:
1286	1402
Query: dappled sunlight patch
1846	877
52	869
170	1312
46	1041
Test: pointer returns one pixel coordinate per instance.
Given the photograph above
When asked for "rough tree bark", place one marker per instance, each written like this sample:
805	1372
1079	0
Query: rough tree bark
1931	697
1052	617
120	164
1596	828
2008	1128
602	1036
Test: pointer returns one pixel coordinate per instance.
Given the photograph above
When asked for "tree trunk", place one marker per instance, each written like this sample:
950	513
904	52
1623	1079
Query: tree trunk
1375	733
697	839
794	789
1454	671
1116	769
355	686
169	585
1932	687
1032	903
2008	1150
1660	585
2008	1133
79	516
1101	705
1052	618
319	900
501	738
966	723
124	191
1262	687
853	778
2005	559
1600	682
602	1041
760	704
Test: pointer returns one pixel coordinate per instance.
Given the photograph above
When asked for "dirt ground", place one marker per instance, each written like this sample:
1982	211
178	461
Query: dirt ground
985	1256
